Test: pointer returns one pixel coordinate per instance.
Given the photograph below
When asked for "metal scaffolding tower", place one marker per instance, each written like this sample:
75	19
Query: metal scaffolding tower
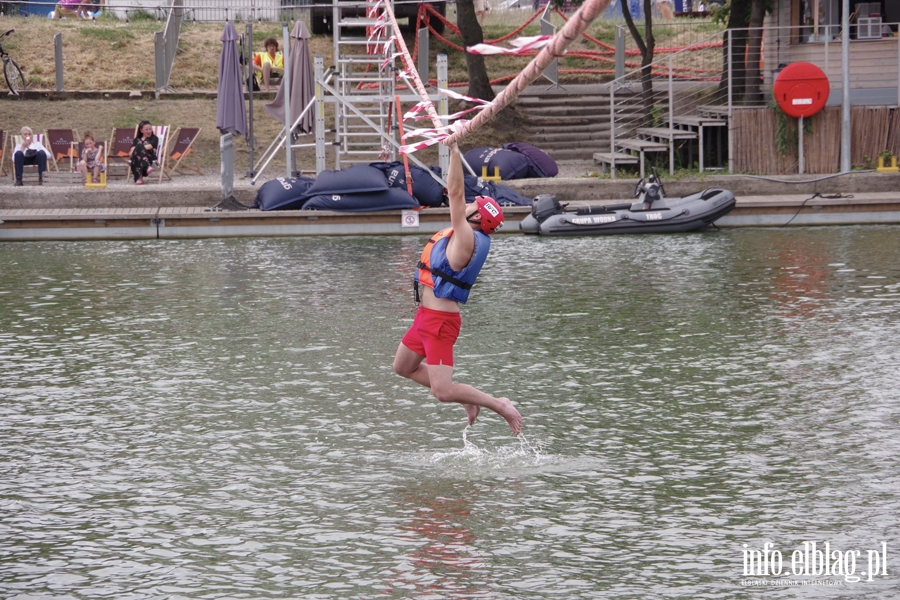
364	94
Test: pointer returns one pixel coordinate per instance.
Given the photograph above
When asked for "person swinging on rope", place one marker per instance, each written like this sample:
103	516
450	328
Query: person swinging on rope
447	269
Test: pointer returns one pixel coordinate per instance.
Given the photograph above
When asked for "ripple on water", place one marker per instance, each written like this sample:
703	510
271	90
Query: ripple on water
219	418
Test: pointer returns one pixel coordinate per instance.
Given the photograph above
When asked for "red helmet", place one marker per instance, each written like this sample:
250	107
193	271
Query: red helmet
491	214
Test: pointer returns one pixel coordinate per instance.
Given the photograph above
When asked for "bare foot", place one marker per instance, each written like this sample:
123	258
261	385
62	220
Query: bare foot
512	416
472	411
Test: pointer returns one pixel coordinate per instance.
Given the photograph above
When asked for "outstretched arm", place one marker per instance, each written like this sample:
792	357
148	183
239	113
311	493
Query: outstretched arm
462	245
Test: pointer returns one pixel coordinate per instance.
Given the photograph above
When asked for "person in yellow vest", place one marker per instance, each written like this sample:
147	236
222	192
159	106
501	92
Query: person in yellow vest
269	64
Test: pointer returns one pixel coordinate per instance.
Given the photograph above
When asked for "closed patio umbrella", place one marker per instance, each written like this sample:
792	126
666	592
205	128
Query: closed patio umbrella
231	114
301	82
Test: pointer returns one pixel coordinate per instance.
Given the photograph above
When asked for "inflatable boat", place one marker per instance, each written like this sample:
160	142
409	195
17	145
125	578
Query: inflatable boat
651	213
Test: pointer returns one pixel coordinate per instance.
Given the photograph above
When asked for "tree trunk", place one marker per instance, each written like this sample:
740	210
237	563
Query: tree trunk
754	48
738	20
647	57
479	83
646	52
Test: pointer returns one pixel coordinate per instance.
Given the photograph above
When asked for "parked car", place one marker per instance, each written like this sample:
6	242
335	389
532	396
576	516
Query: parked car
321	14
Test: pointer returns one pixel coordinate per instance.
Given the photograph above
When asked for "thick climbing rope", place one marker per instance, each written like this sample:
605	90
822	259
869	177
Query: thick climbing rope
573	28
551	48
410	68
426	11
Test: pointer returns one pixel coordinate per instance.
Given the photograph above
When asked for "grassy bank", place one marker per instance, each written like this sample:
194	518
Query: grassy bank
101	116
113	55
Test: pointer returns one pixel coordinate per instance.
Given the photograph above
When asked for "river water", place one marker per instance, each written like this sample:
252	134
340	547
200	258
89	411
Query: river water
219	419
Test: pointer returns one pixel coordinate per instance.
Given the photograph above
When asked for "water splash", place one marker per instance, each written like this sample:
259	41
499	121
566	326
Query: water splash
526	446
525	454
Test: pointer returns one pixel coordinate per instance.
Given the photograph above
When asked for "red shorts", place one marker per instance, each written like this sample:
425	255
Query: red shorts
433	334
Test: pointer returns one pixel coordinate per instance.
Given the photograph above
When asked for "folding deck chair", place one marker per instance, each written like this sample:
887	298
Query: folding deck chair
30	172
119	154
161	132
62	144
182	147
3	153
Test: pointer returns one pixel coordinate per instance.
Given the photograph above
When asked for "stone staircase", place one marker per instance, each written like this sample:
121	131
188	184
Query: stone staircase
568	126
575	127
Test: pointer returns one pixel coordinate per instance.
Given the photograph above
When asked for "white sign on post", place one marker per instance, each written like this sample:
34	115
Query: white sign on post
226	148
409	218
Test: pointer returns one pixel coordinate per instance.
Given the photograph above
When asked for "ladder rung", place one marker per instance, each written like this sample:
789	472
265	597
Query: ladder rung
367	95
365	102
360	131
370	115
360	59
358	42
359	141
344	79
362	134
356	124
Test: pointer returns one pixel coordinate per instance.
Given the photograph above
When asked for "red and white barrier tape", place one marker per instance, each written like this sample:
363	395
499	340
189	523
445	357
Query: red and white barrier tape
521	45
571	31
550	48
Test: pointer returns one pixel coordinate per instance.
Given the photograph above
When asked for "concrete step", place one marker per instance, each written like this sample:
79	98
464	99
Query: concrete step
581	152
545	112
596	100
563	123
563	100
573	127
576	119
570	139
566	127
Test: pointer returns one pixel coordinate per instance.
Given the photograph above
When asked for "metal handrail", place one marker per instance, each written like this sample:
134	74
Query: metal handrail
282	136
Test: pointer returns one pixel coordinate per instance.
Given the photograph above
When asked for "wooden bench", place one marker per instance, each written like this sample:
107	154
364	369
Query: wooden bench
612	159
700	123
641	147
670	135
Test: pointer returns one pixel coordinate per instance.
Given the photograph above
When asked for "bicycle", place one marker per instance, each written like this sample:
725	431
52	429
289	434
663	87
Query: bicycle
15	80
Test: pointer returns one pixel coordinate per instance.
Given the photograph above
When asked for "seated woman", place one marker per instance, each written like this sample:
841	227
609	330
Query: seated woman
91	159
268	64
143	152
30	152
72	8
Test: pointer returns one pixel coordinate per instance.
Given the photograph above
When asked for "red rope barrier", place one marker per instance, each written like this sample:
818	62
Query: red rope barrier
585	15
426	11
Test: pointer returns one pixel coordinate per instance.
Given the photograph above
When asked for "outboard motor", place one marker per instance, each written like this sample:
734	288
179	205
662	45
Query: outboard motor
544	206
